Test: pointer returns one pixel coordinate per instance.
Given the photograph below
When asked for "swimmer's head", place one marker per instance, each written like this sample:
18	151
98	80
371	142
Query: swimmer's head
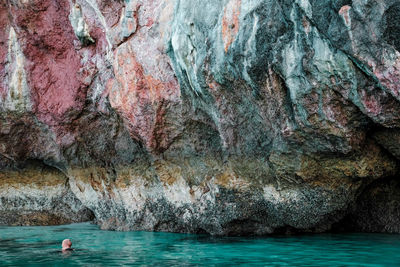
66	244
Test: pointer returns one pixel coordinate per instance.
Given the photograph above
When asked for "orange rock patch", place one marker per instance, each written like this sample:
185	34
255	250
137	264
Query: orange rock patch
230	23
32	177
142	99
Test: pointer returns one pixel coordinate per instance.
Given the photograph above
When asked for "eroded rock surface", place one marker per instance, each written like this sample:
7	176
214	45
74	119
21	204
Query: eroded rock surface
225	117
39	195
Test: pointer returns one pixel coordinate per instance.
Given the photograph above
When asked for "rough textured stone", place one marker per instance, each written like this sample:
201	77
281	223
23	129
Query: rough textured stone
39	195
226	117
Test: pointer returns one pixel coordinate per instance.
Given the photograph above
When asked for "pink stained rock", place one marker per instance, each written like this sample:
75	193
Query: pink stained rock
4	32
46	37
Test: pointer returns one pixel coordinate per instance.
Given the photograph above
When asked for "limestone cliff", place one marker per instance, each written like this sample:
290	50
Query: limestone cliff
225	117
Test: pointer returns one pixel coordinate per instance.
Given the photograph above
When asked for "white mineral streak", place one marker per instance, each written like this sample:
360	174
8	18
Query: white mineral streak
133	198
167	13
271	194
84	192
186	54
135	195
11	191
149	50
128	21
329	61
249	52
32	197
93	4
18	95
119	93
81	29
344	12
292	61
306	7
178	193
79	11
20	2
326	60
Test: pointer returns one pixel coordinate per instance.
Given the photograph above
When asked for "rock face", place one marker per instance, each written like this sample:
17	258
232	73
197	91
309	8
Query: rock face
225	117
39	195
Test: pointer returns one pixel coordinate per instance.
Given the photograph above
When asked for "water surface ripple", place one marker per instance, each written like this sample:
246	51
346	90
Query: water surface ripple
39	246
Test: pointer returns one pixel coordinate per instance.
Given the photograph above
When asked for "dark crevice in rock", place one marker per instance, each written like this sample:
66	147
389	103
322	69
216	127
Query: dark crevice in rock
243	227
357	63
377	209
391	21
389	139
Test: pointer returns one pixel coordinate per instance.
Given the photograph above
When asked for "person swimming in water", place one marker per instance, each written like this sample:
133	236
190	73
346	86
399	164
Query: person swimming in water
66	245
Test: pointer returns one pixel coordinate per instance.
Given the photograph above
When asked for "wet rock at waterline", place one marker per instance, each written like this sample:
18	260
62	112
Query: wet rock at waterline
227	117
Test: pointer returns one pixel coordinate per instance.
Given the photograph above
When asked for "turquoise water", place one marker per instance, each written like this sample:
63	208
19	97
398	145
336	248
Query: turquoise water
37	246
